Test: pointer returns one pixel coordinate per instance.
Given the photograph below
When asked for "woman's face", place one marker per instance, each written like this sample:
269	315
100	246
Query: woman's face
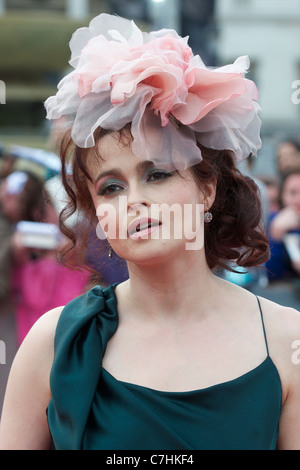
291	192
146	212
288	156
10	203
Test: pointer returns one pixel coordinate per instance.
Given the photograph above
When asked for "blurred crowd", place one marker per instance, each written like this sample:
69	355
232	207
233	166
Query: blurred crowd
280	195
32	278
283	224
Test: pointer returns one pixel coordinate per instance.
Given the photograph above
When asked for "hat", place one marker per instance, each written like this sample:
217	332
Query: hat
153	81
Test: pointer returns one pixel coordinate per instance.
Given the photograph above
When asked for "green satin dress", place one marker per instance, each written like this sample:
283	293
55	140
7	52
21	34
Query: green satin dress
91	410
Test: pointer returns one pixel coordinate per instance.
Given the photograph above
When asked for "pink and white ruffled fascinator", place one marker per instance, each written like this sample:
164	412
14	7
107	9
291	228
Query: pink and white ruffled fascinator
154	81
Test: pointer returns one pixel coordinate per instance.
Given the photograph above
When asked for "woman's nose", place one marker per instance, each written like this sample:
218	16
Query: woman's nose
136	200
136	207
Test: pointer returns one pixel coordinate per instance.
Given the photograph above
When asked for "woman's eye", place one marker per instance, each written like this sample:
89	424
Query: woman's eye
109	189
159	175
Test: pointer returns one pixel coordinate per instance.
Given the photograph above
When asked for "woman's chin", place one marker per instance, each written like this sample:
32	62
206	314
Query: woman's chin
150	252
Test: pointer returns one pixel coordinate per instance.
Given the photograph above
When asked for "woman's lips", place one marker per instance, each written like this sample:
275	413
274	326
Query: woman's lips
143	227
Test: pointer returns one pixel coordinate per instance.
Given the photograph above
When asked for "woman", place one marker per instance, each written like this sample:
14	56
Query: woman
20	199
287	155
284	230
174	357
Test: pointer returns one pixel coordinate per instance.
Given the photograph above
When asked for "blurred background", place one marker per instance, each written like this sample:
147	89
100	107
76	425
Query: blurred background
34	54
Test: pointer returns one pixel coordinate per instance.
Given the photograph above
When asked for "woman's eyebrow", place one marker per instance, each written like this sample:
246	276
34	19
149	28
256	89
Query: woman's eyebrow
141	166
112	171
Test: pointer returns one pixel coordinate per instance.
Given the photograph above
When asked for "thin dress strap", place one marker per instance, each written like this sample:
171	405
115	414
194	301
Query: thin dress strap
263	325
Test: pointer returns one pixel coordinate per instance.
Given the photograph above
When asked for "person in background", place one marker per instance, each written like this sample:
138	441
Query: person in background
287	155
284	230
7	162
41	282
272	193
20	199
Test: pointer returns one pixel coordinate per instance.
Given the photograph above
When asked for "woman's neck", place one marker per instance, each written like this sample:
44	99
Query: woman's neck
170	288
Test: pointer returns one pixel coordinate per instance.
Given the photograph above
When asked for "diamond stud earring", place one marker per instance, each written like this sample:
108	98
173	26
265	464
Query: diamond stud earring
208	217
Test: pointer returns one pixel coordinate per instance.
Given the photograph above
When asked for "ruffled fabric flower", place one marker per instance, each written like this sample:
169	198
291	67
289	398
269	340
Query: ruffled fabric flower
156	83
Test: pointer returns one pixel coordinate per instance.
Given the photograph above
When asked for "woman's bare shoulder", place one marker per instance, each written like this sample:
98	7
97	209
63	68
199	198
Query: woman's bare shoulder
282	320
283	334
48	320
23	421
37	349
282	325
43	331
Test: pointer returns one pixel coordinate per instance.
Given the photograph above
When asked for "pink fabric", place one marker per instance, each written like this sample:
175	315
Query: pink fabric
120	74
180	85
40	286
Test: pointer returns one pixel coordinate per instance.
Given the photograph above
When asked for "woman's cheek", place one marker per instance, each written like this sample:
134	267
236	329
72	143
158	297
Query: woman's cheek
113	218
108	219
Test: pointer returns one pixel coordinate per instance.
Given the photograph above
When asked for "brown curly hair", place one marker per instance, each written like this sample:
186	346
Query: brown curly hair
235	234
